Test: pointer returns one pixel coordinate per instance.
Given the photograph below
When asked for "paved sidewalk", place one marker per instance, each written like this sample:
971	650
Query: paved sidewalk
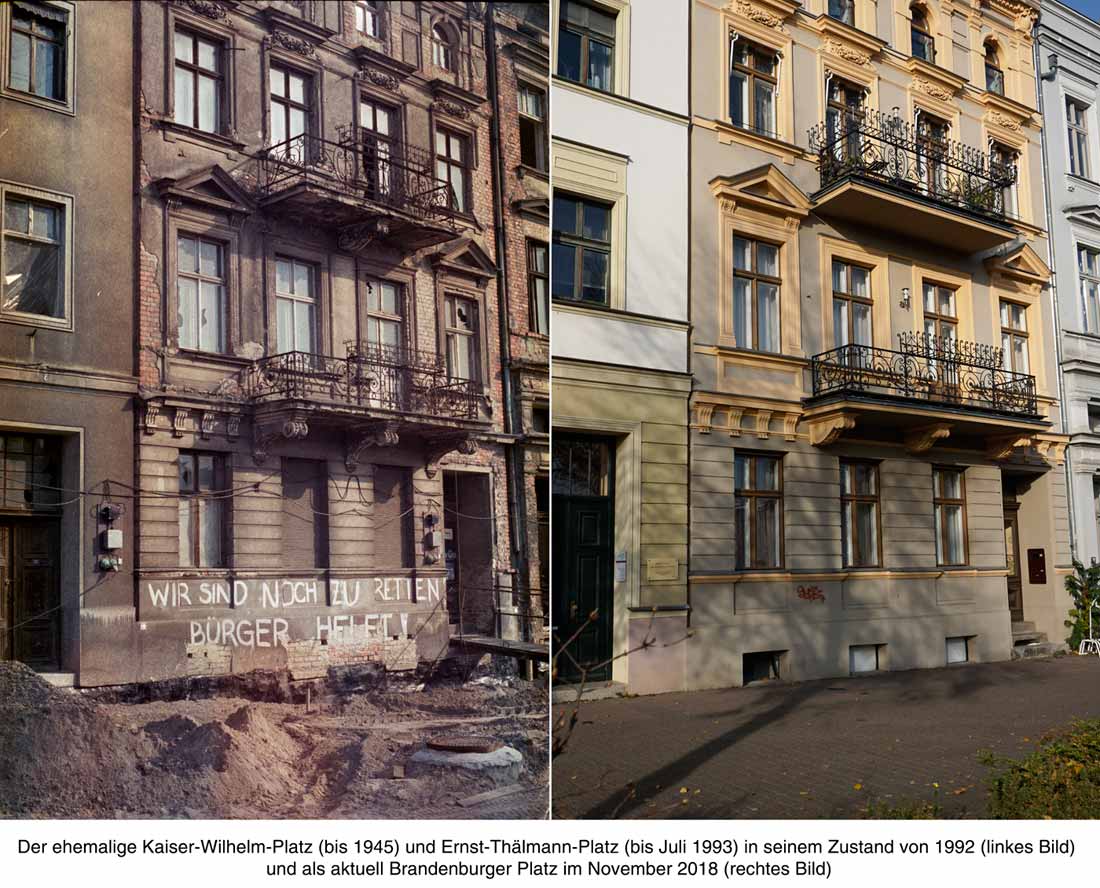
800	750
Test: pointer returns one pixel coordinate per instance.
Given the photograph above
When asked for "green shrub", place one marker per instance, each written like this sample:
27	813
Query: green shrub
1084	587
1060	780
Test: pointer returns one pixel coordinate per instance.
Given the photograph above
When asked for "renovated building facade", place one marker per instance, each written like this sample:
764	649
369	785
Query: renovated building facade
66	328
320	429
620	369
1068	63
876	437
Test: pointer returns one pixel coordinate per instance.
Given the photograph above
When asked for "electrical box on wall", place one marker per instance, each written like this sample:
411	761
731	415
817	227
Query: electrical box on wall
434	539
111	540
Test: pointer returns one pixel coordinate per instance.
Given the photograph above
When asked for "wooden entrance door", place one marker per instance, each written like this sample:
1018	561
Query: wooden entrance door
30	612
1012	556
582	532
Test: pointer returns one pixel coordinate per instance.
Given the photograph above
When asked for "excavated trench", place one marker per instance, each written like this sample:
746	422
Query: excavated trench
251	747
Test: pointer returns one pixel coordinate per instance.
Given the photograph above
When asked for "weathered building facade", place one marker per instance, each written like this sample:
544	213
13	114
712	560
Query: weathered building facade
520	53
66	328
876	447
1067	59
320	434
620	380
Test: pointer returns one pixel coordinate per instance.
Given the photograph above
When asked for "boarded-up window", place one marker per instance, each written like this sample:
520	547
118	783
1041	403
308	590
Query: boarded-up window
305	515
393	520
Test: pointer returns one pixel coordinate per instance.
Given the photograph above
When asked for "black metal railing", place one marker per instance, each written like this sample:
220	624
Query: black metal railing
928	370
372	377
886	149
361	165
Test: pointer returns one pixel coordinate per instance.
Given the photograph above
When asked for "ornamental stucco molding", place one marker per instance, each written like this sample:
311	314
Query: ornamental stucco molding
843	51
756	14
1004	121
934	90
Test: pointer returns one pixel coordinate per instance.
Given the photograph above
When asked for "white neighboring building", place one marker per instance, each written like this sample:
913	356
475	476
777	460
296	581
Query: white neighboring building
621	382
1068	63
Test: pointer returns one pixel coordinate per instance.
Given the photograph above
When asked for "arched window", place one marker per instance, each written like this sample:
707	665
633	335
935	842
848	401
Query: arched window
994	76
924	47
443	55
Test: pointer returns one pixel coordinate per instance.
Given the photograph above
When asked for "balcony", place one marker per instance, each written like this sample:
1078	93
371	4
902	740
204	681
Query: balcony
931	388
372	379
877	170
370	190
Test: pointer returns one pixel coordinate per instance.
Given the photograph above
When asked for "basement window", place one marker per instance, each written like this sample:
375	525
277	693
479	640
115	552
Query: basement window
958	649
863	658
762	666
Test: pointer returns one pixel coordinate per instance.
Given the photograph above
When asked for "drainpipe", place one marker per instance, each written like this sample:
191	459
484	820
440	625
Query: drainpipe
1054	297
517	499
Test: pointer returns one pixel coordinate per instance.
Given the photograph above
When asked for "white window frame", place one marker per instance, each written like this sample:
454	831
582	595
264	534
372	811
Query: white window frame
370	13
1081	278
1086	108
65	201
64	106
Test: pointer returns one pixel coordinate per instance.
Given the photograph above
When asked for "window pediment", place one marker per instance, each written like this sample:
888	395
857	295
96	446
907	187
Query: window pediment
764	188
1022	265
211	187
852	39
466	257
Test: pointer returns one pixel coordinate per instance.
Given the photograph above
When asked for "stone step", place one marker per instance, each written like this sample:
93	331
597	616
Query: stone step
602	690
1038	649
1028	625
59	679
1022	636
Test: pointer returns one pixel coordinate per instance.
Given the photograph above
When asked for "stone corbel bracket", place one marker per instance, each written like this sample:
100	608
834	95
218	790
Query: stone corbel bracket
382	434
920	440
437	448
264	434
1001	446
826	430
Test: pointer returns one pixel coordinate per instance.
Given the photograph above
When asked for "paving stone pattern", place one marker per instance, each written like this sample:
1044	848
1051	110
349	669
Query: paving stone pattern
800	750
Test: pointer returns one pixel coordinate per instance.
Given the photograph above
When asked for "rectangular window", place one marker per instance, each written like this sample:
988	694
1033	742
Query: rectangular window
366	17
843	11
949	500
586	45
755	294
921	42
538	286
385	314
379	133
863	658
758	511
994	79
38	60
844	115
291	110
1088	266
30	472
451	163
462	332
393	517
32	257
581	256
295	306
199	82
1003	161
859	517
200	293
442	50
202	506
753	86
305	515
1014	337
940	317
1077	130
958	649
851	304
532	127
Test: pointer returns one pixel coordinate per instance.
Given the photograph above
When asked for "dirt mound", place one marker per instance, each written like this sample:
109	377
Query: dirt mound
60	756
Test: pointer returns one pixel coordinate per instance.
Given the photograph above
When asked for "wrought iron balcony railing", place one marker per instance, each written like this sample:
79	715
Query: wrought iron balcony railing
934	371
371	377
886	149
361	166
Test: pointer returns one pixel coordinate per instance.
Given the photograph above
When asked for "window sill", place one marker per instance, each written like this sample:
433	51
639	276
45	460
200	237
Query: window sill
1084	180
220	357
62	325
60	106
525	170
172	129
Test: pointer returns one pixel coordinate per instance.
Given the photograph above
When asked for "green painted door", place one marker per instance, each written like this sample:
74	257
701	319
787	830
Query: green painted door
582	529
